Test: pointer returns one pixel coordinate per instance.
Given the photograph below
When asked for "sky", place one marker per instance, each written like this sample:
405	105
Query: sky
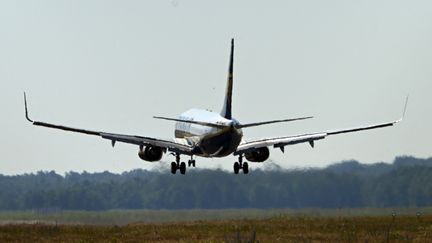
112	65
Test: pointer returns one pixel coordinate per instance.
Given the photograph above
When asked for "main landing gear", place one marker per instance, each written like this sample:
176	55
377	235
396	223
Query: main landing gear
177	165
240	165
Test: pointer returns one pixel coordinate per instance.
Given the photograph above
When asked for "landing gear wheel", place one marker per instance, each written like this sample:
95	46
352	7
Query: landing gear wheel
236	167
191	163
173	167
245	168
182	168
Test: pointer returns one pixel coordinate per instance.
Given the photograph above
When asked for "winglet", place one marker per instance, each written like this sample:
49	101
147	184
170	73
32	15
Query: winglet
26	110
405	109
406	105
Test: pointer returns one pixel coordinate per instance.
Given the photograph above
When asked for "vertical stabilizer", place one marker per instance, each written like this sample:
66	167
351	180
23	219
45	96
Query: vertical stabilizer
226	110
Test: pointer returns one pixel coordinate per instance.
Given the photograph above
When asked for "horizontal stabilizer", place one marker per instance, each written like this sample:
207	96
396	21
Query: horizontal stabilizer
208	124
270	122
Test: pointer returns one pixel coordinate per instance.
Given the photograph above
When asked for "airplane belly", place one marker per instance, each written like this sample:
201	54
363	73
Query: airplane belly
220	145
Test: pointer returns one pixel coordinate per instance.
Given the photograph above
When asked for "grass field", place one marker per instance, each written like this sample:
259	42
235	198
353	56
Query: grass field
124	217
248	225
279	229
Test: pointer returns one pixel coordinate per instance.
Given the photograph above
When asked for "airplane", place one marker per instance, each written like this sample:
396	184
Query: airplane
209	134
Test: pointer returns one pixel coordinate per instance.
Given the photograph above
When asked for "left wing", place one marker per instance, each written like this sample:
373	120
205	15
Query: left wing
173	146
281	142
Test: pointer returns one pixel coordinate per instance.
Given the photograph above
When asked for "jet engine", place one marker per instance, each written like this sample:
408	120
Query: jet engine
151	153
258	155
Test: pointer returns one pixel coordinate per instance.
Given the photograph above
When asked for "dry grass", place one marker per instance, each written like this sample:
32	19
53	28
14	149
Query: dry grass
279	229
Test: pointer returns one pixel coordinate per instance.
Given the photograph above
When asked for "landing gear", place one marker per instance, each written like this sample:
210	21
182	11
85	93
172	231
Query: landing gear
236	167
173	167
182	168
177	165
240	165
191	162
245	168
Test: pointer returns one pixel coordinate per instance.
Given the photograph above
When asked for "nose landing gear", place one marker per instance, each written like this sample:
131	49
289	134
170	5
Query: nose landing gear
240	165
191	162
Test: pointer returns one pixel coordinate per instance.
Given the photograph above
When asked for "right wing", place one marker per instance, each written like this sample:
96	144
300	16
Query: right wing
131	139
281	142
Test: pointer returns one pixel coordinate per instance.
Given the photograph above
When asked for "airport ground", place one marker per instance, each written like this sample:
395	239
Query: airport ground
245	225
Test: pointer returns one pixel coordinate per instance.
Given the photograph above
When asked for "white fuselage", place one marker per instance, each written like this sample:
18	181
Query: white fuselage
209	141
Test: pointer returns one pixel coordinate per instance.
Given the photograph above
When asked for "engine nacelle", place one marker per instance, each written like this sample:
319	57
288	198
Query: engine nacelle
151	153
258	155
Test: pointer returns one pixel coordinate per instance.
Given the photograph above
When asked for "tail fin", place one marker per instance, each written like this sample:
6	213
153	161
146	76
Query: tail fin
226	110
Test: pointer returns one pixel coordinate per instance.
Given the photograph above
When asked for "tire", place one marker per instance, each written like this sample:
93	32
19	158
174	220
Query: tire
182	168
236	167
191	163
245	168
173	167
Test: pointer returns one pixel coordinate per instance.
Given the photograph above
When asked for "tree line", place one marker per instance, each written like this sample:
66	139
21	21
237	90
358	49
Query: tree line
407	182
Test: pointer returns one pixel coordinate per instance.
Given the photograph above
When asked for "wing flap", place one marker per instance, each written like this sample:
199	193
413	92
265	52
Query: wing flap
279	142
143	141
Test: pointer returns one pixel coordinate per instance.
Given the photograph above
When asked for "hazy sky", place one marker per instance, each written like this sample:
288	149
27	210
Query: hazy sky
112	65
